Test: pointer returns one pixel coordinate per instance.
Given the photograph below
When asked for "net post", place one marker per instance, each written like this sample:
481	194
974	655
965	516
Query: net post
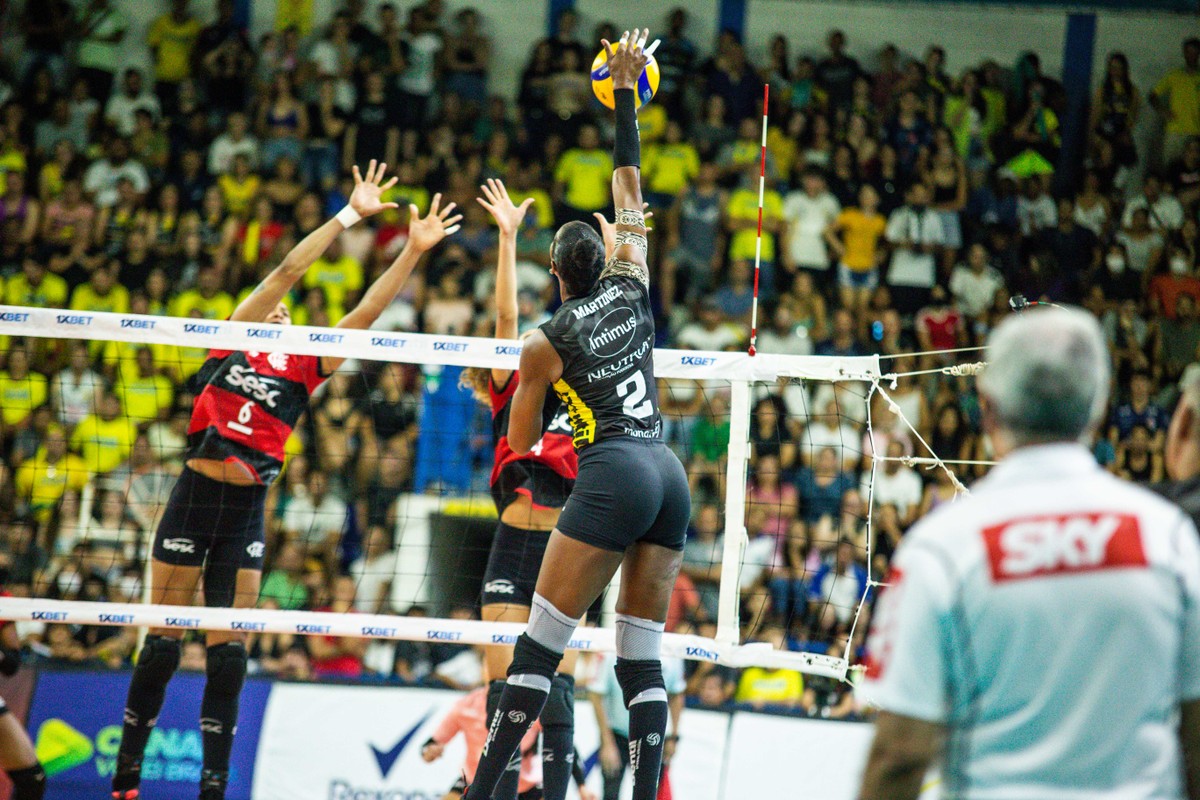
729	600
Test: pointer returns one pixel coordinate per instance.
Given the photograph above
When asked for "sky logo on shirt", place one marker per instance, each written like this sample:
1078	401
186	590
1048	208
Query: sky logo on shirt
1036	547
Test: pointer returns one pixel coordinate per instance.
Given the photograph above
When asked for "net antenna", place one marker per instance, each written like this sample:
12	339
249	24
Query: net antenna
762	181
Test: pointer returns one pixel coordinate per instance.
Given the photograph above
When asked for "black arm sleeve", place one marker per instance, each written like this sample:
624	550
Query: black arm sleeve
577	769
627	150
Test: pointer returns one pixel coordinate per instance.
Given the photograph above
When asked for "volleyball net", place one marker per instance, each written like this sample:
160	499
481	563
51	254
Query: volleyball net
384	510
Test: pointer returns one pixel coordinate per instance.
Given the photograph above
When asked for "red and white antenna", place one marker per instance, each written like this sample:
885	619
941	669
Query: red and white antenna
762	181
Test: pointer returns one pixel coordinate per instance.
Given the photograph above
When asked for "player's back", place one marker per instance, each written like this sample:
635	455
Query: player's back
1058	607
606	342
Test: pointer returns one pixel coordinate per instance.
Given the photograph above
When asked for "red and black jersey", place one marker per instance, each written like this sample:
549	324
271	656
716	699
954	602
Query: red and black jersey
247	406
547	472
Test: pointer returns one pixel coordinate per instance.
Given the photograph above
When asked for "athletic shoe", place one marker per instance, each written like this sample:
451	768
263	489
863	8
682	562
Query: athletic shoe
126	794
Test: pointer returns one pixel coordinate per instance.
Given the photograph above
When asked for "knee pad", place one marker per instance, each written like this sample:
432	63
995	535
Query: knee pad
159	659
559	711
495	689
548	626
226	667
641	681
532	658
638	639
28	783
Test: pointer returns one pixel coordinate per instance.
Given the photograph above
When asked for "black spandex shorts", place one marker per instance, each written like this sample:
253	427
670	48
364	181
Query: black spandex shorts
513	564
213	525
628	490
541	484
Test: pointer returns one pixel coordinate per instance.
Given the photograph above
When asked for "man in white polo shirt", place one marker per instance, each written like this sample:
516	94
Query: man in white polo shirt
1041	637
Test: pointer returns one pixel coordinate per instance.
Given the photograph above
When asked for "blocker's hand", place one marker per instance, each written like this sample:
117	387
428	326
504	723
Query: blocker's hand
425	232
627	61
365	197
507	214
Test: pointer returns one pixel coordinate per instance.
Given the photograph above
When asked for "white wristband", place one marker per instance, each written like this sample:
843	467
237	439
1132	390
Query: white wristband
348	216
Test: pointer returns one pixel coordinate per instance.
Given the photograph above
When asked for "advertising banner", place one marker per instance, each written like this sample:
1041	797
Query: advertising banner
356	742
75	723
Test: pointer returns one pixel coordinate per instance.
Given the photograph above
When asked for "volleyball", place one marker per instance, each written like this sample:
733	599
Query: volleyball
602	84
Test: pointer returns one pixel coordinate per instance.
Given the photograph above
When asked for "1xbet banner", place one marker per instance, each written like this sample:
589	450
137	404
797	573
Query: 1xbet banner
75	722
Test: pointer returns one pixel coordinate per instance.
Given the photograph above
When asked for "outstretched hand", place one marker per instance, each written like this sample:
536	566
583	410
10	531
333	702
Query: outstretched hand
507	215
608	230
628	59
365	197
425	232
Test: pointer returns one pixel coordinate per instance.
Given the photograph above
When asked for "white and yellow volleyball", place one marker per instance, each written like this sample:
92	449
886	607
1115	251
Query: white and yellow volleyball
602	84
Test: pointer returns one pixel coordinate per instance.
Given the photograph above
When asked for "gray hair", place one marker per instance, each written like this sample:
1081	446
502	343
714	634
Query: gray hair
1048	374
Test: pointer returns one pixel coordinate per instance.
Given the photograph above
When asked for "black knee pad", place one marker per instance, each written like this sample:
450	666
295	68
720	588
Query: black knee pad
495	689
532	658
28	783
227	667
638	676
158	660
559	711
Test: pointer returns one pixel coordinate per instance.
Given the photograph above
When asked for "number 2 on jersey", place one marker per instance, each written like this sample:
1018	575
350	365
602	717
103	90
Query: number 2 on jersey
244	416
633	389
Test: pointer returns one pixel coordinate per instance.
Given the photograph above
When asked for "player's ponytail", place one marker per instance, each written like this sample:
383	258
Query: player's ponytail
578	256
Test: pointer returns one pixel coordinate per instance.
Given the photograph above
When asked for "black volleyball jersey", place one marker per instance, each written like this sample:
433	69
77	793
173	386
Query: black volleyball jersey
606	343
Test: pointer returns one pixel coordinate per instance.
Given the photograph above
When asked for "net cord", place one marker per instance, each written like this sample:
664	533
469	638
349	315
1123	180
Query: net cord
408	348
379	626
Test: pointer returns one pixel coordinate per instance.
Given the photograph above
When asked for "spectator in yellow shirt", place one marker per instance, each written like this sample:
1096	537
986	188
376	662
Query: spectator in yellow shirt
741	220
104	439
240	187
763	686
207	298
21	390
340	275
44	479
1177	98
145	394
35	286
172	38
669	167
583	178
855	236
101	292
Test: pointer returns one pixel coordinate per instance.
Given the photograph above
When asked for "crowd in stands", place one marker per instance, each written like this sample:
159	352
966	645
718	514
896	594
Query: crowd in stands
904	207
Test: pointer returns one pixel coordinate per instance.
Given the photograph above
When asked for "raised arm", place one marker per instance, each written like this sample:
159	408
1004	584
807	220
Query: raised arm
364	202
540	367
508	219
423	235
625	64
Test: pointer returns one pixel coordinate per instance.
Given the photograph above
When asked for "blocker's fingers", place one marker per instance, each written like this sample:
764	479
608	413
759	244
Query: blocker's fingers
487	192
371	171
641	42
624	40
380	171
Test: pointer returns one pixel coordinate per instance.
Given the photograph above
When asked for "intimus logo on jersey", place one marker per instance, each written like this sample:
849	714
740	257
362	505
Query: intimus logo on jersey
1053	545
610	294
613	333
261	389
